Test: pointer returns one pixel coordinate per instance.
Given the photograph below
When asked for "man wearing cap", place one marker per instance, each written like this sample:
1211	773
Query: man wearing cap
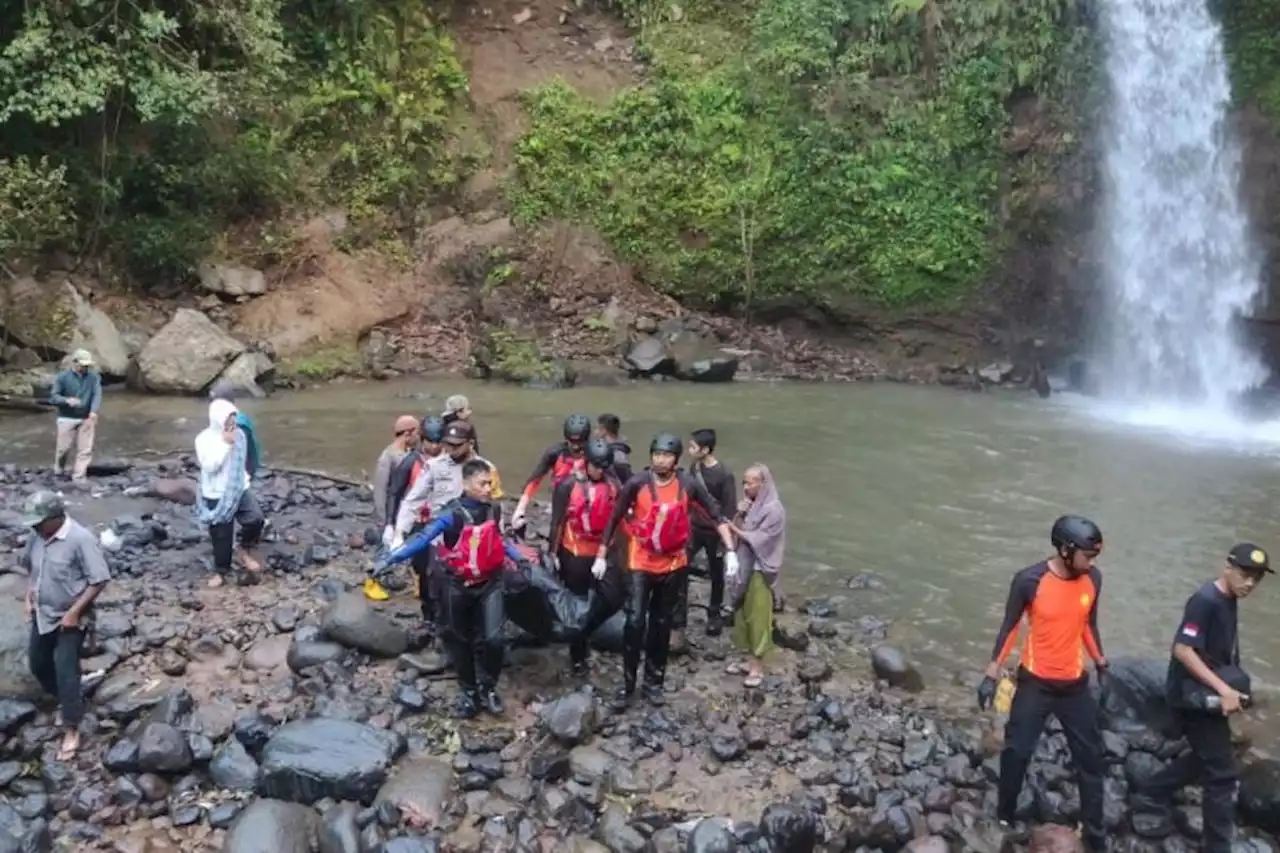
458	408
439	484
77	394
66	571
1205	686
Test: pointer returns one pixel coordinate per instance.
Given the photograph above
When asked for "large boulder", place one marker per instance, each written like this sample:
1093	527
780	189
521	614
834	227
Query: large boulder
650	357
245	375
1259	797
186	356
1132	695
232	281
350	620
270	826
308	760
16	681
54	320
698	360
420	787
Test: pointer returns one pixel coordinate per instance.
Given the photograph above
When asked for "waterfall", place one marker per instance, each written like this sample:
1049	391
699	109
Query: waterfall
1179	262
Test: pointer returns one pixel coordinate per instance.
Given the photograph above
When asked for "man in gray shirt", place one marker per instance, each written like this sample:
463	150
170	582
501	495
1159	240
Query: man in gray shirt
66	572
77	394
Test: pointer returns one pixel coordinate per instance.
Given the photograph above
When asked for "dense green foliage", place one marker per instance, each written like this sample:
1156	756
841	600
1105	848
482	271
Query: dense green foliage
147	130
1252	34
825	149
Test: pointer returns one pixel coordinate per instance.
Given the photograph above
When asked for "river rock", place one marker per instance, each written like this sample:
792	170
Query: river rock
1259	796
54	320
308	760
14	713
16	680
891	665
271	826
231	280
1055	838
340	832
712	835
789	828
353	622
163	749
650	357
421	786
187	355
1133	696
571	719
233	768
698	360
241	378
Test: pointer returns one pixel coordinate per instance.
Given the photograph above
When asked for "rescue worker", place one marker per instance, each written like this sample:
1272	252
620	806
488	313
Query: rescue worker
470	555
559	460
405	473
581	506
657	502
404	439
1058	597
1205	686
439	483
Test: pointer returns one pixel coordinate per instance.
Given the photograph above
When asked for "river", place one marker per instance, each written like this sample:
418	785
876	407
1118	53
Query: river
943	494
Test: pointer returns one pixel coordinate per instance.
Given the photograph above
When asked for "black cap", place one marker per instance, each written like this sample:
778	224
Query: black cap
1250	558
459	432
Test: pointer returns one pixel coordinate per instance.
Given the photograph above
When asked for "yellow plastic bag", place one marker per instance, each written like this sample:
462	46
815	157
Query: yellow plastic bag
1004	695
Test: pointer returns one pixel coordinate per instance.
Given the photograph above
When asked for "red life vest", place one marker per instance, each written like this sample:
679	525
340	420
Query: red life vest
590	506
664	528
478	554
566	466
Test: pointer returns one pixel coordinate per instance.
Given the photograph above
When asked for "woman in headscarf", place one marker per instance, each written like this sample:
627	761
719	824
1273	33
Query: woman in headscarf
222	450
761	531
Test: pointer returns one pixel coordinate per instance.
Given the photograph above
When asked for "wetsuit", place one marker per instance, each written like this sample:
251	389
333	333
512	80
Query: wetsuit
472	610
719	482
1062	626
558	461
657	562
1209	625
580	510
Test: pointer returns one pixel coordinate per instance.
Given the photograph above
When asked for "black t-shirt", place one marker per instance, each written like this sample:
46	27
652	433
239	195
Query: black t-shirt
1209	626
721	485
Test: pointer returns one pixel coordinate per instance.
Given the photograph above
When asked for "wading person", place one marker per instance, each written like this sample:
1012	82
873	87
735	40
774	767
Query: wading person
581	506
226	499
760	527
66	572
560	460
470	558
657	502
1058	598
1205	686
718	480
77	395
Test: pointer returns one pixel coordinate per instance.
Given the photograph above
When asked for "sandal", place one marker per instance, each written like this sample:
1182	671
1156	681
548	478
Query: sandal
753	680
69	747
735	669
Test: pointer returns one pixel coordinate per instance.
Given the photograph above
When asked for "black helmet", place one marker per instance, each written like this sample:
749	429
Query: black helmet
666	443
577	428
1075	533
600	453
433	429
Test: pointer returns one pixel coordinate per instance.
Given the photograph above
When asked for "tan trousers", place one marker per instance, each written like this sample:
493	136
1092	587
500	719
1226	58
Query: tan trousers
80	434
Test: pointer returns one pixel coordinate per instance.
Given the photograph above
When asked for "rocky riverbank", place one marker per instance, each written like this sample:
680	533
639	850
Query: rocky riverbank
293	716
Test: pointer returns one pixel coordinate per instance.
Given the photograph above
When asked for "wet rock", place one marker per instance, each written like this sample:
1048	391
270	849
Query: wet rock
353	622
15	713
1052	838
789	828
616	833
304	654
712	835
1259	795
307	760
727	743
409	697
271	826
253	730
163	749
340	832
233	768
927	844
420	786
813	669
122	756
571	719
891	665
650	357
224	814
16	681
1135	695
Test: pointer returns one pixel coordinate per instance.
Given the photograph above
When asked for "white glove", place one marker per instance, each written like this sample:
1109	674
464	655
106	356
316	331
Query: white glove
730	566
388	535
517	519
397	541
598	568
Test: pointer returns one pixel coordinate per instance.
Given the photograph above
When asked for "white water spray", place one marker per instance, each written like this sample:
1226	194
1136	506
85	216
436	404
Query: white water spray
1180	265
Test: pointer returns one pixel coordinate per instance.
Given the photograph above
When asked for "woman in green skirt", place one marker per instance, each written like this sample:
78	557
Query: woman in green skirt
761	530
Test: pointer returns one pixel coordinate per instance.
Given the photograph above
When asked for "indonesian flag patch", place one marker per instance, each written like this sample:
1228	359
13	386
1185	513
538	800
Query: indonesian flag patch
1191	630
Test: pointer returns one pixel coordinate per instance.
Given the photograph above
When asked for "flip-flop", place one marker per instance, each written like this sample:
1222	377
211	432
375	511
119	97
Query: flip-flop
753	681
735	669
